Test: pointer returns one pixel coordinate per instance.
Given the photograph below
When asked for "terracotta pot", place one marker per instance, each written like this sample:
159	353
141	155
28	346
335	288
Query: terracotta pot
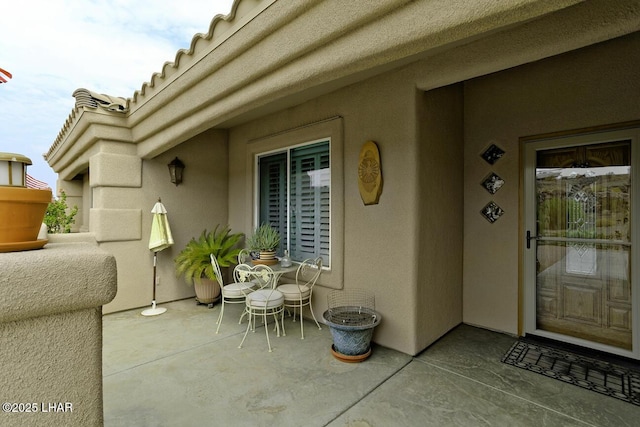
21	213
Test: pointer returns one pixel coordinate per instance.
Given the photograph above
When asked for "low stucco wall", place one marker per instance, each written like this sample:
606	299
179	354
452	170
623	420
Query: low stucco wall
51	334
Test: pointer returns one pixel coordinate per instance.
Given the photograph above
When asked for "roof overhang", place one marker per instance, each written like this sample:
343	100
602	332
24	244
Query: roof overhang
269	55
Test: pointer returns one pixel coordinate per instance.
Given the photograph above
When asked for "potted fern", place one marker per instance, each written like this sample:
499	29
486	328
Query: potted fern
194	262
265	240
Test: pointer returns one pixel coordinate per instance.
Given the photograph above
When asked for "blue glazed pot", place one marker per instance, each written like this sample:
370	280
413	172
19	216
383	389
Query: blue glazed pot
351	328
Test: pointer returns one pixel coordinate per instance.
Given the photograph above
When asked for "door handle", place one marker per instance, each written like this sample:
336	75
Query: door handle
530	238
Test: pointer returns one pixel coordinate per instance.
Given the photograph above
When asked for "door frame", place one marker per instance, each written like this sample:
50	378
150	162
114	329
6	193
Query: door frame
528	148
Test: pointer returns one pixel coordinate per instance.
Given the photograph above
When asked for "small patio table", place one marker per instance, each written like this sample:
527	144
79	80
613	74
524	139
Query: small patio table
279	270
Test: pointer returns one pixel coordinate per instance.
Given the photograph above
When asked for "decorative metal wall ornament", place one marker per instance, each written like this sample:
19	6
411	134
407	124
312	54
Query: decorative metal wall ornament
492	212
492	183
370	173
493	154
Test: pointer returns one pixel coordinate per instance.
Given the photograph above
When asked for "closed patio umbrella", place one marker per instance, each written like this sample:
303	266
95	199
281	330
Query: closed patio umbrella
159	239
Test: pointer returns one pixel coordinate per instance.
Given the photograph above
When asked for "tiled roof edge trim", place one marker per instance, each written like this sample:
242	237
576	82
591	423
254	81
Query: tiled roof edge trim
87	98
65	128
155	78
158	76
36	183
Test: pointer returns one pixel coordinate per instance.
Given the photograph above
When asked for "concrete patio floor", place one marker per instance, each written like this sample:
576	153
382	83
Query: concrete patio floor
173	370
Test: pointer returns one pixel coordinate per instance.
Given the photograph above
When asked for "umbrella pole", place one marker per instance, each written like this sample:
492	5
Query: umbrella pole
155	258
153	311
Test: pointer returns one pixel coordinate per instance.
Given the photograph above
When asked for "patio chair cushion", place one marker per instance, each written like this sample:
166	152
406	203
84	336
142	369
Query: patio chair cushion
265	298
234	290
291	291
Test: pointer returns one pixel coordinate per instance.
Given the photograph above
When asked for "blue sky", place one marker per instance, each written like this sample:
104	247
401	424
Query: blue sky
53	47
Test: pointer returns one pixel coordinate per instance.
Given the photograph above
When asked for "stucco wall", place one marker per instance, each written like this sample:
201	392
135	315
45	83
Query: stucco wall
379	240
594	86
438	301
51	333
199	202
381	248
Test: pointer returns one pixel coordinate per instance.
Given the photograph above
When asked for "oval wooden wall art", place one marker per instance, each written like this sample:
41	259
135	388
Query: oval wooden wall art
370	173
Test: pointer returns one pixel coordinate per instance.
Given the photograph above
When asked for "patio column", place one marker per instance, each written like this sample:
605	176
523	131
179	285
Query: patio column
113	180
51	334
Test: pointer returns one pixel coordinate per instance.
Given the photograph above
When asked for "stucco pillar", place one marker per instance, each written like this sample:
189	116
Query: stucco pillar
51	334
113	180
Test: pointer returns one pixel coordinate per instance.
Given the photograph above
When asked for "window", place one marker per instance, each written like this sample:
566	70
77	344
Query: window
294	197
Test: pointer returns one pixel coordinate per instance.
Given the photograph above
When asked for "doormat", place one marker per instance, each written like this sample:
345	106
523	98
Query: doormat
593	374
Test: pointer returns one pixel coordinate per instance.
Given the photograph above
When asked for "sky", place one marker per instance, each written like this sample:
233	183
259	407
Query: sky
53	47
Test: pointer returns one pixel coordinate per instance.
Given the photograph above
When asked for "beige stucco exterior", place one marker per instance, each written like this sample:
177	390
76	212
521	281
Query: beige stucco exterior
432	83
51	332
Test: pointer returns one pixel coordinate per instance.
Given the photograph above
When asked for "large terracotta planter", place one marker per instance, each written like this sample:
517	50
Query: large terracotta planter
21	214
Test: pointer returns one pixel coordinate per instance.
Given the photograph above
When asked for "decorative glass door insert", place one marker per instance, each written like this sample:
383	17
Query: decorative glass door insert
582	242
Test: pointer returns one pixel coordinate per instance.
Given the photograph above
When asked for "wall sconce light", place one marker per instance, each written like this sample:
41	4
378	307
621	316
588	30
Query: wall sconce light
175	171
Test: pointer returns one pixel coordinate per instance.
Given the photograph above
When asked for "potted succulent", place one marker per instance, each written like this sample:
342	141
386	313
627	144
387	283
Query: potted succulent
194	262
265	240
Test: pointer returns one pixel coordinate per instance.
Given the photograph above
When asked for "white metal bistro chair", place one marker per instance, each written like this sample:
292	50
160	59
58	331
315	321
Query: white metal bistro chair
298	295
262	302
231	293
244	256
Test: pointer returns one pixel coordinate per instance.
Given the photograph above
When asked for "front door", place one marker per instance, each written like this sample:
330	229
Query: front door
579	214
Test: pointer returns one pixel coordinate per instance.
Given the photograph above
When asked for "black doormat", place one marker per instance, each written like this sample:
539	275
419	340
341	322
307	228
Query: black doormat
602	376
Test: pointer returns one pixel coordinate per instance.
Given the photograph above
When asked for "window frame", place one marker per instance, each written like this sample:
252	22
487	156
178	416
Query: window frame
333	130
287	151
